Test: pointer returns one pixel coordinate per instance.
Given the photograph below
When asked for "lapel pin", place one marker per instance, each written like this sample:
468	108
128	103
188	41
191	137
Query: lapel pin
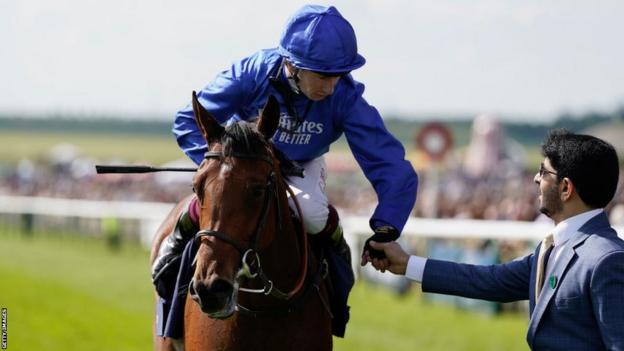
552	281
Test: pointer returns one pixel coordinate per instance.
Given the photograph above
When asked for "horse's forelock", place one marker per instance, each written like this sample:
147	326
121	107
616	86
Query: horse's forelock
242	137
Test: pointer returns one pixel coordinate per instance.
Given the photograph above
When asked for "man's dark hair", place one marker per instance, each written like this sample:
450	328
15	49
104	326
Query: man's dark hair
590	163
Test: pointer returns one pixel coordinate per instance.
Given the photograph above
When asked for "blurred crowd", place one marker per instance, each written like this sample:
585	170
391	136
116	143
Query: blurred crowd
64	173
52	181
487	180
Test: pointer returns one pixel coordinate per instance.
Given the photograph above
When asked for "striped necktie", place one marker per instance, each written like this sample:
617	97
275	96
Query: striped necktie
542	258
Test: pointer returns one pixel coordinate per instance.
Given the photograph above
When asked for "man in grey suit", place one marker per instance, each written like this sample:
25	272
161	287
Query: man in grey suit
574	280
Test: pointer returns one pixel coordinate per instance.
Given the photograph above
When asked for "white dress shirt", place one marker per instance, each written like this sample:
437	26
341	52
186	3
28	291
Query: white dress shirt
561	234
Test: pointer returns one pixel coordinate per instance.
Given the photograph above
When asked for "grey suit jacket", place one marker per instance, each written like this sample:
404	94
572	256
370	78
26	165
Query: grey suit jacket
581	306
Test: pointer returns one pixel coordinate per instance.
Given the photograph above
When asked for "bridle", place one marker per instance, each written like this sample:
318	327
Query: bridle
250	259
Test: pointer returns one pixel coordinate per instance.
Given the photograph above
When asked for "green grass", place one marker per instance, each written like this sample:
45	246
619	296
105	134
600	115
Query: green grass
68	294
382	321
74	294
133	148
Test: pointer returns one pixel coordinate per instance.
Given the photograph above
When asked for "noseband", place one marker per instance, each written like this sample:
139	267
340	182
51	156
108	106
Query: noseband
250	260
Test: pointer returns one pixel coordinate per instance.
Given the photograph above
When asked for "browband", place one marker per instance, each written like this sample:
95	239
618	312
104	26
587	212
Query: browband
219	154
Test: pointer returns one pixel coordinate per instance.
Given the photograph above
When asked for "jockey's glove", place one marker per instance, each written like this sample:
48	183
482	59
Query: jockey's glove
382	234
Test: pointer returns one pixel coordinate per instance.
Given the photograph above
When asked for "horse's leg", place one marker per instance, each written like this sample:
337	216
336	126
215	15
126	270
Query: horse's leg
167	226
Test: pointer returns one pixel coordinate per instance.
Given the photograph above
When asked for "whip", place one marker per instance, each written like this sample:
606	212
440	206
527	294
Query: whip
102	169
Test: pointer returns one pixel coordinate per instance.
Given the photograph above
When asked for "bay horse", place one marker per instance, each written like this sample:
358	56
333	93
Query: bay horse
257	284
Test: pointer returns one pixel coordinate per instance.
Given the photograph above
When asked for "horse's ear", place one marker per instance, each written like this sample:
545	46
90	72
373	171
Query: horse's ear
209	127
269	119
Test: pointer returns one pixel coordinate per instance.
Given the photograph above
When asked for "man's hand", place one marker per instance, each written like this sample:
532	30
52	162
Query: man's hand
395	259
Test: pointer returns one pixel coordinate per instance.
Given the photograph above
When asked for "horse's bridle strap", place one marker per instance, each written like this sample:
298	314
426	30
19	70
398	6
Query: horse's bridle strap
219	235
220	154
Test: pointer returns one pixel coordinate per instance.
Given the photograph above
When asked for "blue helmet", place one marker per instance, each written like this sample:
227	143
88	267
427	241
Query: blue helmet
319	39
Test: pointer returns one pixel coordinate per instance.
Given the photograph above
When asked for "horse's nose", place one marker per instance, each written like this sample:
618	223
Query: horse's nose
212	297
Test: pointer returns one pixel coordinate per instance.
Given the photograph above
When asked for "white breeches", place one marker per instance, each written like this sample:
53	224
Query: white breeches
310	193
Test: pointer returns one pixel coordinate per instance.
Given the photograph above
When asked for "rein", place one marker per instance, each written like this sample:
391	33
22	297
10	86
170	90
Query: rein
250	260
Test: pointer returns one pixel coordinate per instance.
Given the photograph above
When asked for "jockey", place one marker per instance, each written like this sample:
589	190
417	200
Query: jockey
309	74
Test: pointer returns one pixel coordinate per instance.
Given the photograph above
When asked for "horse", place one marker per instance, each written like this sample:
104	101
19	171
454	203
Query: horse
257	283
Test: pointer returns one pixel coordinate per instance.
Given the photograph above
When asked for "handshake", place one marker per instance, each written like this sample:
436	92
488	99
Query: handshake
384	253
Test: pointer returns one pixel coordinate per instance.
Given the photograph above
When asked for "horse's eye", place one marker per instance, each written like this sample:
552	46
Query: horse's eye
257	191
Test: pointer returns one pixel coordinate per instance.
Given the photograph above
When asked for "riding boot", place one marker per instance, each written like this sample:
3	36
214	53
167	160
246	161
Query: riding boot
167	263
341	277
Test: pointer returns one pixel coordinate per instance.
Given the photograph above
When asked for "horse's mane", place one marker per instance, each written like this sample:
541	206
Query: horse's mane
243	138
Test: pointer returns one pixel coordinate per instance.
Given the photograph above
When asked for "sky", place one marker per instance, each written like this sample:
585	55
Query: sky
526	60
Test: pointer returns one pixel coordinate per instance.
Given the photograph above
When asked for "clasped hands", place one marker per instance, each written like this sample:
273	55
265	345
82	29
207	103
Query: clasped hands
384	253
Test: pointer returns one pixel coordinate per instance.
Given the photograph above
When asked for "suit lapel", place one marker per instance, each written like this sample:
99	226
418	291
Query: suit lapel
594	225
558	271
